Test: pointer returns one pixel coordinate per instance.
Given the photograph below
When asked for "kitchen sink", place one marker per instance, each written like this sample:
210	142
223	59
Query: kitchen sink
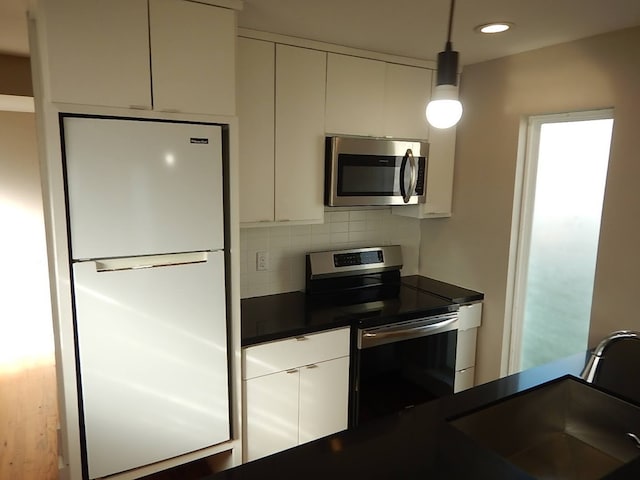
564	429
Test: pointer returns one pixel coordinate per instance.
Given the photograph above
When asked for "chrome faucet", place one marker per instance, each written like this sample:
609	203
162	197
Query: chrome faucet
591	368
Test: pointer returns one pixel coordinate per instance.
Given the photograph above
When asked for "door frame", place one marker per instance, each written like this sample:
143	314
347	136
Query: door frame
521	225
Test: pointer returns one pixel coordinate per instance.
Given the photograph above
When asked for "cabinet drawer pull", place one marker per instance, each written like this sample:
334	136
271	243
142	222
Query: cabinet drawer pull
313	365
302	338
293	370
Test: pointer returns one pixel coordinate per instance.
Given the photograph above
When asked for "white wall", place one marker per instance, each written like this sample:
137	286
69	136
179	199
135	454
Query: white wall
472	247
26	335
287	246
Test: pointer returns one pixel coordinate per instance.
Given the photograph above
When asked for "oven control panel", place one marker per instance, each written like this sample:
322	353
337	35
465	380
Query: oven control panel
351	259
354	261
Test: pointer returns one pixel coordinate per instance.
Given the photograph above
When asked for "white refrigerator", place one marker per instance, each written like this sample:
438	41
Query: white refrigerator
146	226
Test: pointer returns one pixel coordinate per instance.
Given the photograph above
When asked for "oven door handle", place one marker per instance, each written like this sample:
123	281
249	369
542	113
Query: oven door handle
409	331
371	339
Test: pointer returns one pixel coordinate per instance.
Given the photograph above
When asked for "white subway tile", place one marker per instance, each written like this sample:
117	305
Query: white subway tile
320	228
333	217
339	227
358	226
341	237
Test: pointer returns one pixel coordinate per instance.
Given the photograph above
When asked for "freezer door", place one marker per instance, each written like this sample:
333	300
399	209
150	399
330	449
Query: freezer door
139	187
153	359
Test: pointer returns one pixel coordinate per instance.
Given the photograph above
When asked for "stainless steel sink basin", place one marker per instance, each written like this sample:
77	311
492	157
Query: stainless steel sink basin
565	429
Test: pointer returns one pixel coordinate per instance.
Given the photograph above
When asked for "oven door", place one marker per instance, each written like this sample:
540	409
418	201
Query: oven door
400	365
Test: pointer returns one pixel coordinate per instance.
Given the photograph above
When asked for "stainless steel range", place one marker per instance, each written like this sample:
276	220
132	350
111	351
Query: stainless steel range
404	339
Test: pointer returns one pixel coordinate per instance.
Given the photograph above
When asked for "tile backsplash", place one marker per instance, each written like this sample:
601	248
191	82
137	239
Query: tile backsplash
285	246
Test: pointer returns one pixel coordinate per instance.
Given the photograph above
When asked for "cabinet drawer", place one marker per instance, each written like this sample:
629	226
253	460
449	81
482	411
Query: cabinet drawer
466	349
464	379
470	316
294	352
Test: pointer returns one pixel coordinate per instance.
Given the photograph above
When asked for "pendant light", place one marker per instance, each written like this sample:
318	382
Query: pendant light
444	110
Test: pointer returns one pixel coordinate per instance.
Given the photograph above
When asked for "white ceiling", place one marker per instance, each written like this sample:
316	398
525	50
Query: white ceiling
412	28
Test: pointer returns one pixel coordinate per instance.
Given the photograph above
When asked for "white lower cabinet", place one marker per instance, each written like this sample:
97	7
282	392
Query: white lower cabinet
324	399
469	318
305	398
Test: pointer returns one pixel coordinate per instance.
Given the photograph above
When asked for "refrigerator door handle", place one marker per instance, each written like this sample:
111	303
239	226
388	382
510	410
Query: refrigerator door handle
150	261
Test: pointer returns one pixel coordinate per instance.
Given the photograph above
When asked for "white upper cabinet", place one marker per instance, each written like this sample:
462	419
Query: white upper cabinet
169	55
256	109
192	57
407	91
375	98
300	97
355	95
98	52
281	95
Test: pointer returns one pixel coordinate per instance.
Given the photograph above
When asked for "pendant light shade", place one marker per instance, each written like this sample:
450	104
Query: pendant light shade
444	110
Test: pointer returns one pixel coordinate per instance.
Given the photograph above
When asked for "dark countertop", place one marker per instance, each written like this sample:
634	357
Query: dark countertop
442	289
285	315
416	443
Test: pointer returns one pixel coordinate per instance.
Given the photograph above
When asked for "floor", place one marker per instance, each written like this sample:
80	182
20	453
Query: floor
28	424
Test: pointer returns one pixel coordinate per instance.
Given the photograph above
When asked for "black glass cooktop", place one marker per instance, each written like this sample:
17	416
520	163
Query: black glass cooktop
408	304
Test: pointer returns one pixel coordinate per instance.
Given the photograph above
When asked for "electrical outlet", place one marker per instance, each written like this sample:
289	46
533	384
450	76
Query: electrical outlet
262	261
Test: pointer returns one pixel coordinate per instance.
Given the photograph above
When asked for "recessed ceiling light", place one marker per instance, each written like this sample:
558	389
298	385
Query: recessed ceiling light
495	27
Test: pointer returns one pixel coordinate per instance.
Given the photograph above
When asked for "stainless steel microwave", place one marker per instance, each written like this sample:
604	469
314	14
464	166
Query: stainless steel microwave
374	171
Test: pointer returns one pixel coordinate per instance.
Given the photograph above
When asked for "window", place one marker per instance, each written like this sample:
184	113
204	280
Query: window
563	184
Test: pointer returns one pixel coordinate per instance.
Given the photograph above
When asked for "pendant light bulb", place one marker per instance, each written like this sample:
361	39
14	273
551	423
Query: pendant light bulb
445	110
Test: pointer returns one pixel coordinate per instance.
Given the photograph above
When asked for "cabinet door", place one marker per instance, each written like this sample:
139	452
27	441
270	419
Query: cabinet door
256	109
442	147
355	95
98	52
300	97
324	398
407	91
271	408
192	57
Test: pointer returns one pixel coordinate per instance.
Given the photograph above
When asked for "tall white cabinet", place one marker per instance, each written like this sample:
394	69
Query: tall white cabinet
281	93
299	172
256	109
156	60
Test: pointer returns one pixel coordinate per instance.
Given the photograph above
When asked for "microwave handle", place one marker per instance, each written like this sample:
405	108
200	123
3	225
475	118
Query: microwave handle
413	179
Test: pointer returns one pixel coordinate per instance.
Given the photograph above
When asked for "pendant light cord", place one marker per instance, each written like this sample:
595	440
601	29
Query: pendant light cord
453	3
